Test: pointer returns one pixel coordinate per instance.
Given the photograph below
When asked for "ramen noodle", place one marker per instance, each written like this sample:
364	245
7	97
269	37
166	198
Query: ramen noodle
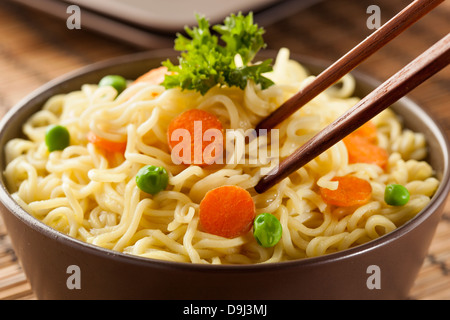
93	196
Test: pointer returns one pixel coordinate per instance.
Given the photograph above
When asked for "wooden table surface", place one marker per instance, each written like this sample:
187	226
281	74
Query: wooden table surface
35	48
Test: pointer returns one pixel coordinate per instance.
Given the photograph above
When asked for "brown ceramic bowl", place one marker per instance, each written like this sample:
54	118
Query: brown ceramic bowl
46	255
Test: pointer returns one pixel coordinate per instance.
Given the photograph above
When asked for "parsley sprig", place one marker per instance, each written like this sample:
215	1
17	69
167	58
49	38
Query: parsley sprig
207	60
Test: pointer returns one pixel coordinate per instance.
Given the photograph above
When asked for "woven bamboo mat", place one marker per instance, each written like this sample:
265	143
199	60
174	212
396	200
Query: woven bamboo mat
35	48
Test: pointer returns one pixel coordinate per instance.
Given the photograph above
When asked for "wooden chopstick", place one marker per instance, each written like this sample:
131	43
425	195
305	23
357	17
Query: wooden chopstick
351	60
420	69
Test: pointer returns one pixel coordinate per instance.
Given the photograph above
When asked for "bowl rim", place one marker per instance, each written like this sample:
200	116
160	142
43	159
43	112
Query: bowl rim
161	54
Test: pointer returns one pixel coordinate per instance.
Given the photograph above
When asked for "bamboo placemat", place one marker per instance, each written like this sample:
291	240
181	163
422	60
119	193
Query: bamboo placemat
35	48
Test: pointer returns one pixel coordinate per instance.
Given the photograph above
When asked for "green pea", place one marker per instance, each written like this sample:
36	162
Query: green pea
117	82
267	230
396	195
152	179
57	137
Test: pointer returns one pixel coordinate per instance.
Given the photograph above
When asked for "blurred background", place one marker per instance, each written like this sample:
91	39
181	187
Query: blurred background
40	40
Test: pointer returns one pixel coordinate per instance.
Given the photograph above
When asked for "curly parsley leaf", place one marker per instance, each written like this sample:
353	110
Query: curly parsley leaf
205	63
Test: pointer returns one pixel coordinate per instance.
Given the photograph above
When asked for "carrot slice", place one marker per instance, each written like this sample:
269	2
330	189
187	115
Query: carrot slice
227	211
368	130
155	76
361	150
196	122
108	145
352	191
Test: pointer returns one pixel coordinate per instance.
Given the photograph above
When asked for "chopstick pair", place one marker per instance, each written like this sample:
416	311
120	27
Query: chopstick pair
420	69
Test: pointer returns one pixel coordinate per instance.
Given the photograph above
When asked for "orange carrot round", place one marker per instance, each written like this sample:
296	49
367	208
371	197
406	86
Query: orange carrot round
227	211
368	130
352	191
360	150
155	76
192	121
108	145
